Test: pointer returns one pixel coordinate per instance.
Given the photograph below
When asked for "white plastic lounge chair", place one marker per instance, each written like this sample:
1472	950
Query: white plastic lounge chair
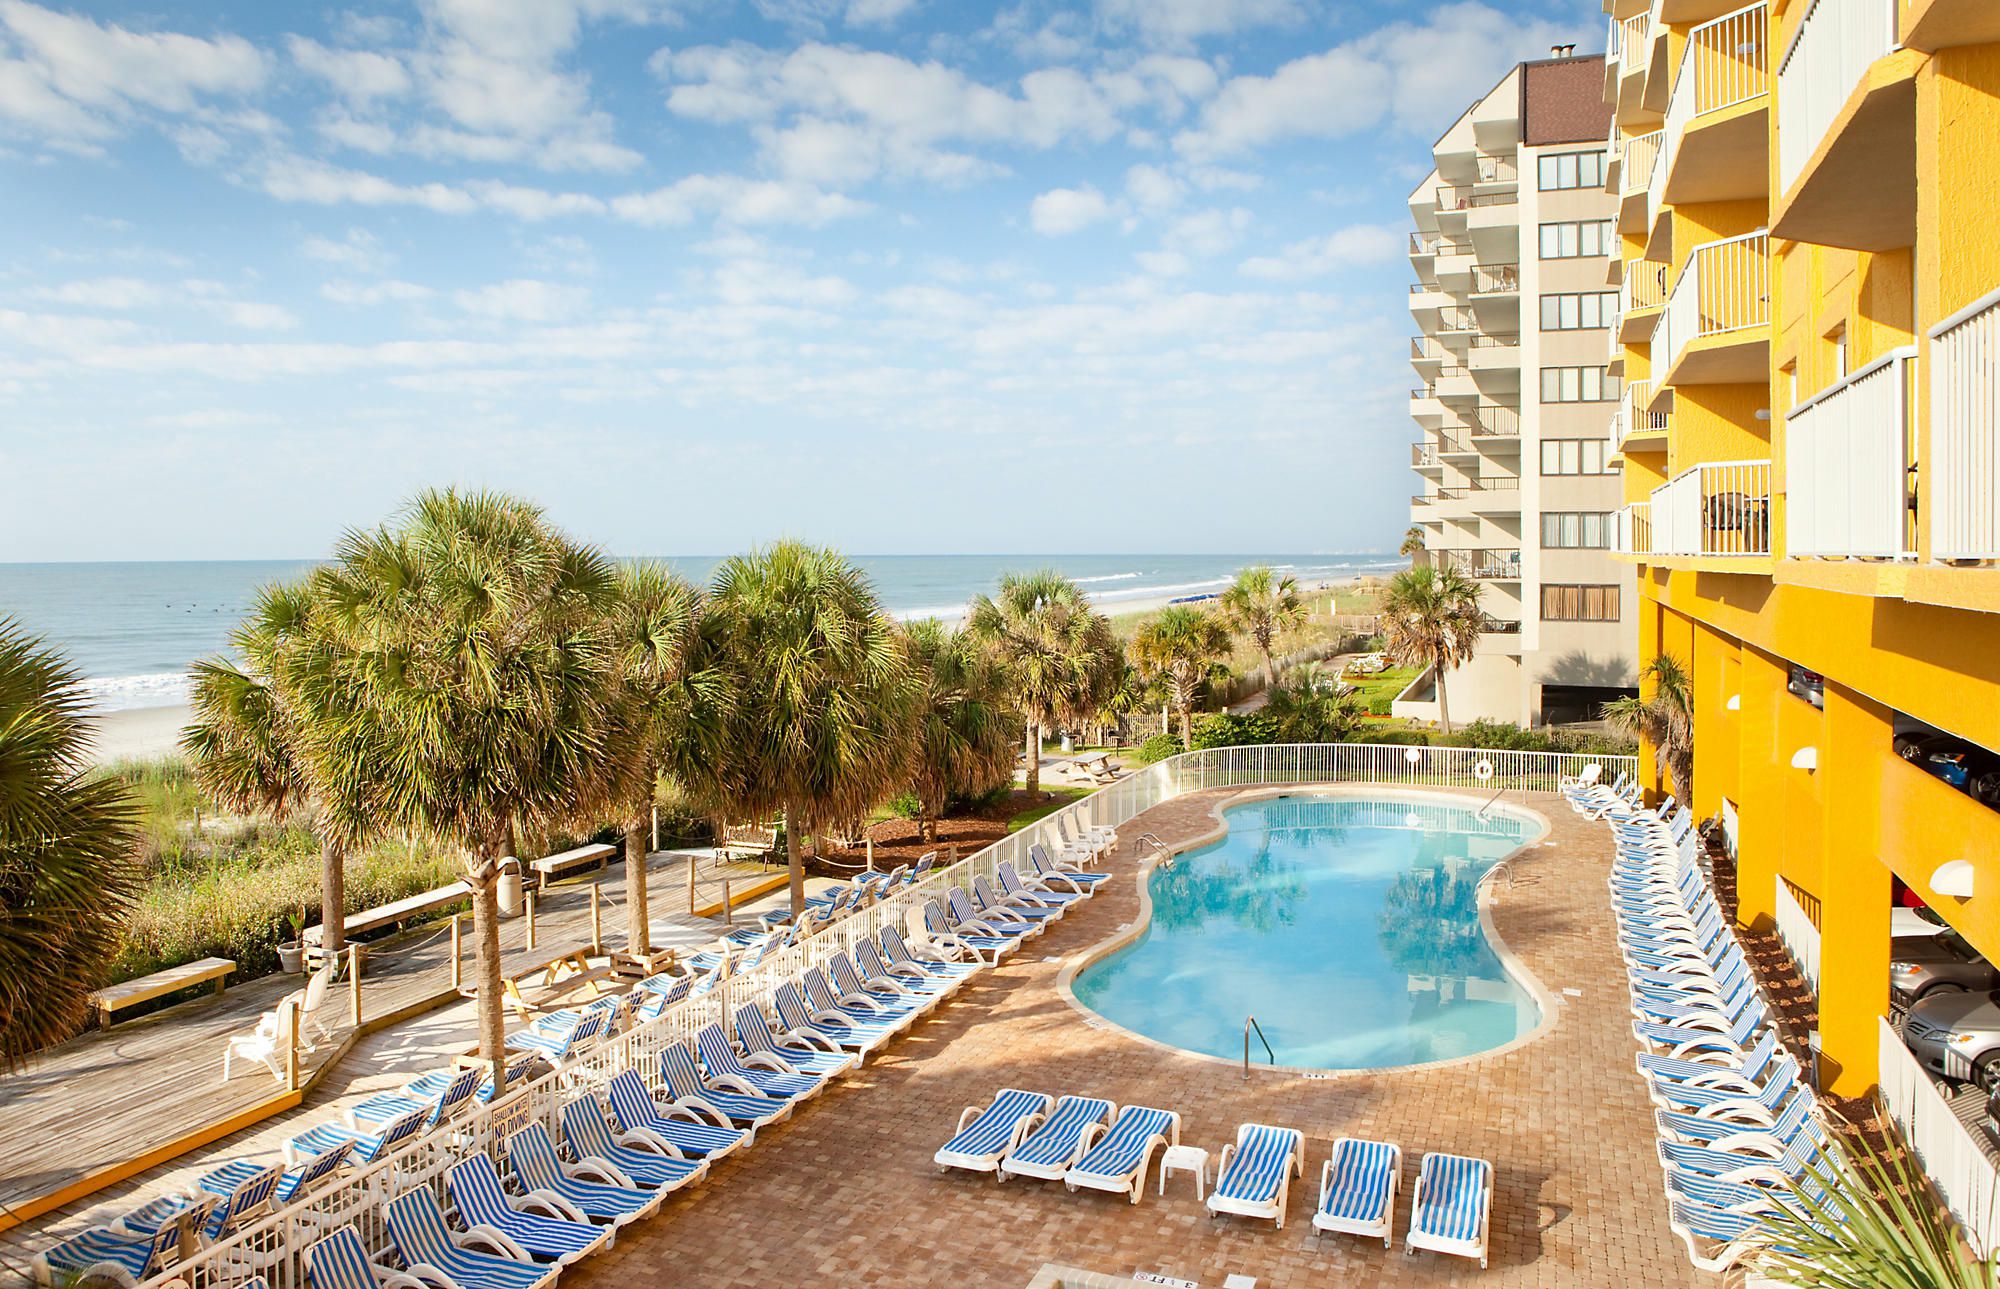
559	1047
720	1062
293	1183
981	947
927	961
1052	1149
366	1147
1357	1189
107	1253
1453	1206
482	1258
591	1189
1117	1160
386	1107
801	1049
725	1105
535	1225
887	996
986	1133
244	1195
876	973
589	1138
341	1261
268	1044
1254	1176
645	1123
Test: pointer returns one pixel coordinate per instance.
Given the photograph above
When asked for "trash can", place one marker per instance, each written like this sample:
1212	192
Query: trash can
510	889
1068	743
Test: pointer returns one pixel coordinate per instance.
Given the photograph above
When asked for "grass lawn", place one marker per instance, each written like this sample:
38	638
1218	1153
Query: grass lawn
1058	798
1383	685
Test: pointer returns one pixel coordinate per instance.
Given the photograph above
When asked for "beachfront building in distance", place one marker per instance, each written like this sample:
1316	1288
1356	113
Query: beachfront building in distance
1513	301
1807	196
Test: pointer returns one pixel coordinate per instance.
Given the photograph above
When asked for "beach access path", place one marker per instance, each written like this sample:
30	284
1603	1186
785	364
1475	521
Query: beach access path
121	1099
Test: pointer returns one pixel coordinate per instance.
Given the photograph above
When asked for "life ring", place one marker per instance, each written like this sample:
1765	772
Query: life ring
1483	771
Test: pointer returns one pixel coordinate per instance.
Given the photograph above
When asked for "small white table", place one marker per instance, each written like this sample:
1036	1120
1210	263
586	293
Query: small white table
1185	1159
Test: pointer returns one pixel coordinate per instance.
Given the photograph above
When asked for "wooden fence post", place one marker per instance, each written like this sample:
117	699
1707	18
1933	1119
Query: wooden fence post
531	902
656	827
727	920
354	985
292	1045
596	924
457	934
691	884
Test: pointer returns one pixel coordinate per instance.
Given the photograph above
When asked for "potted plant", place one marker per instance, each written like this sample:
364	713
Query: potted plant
292	953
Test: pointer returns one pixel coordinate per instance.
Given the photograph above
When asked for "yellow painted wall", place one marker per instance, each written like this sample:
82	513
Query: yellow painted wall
1717	423
1854	891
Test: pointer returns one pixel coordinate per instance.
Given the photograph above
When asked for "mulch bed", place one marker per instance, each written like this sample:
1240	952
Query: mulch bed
900	841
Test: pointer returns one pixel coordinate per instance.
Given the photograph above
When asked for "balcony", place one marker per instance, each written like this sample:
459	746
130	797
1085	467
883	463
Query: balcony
1492	421
1716	327
1424	245
1495	355
1483	565
1638	157
1965	433
1634	535
1455	381
1720	508
1846	112
1639	430
1629	51
1849	453
1425	407
1426	355
1496	279
1714	145
1940	24
1641	293
1424	456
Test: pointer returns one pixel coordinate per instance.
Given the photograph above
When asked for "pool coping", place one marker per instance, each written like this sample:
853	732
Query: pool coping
1546	1003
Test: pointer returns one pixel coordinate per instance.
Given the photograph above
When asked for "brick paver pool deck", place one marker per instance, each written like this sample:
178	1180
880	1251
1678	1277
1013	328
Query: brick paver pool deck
846	1193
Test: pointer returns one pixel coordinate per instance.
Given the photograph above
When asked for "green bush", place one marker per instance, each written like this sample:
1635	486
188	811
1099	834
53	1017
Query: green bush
1159	748
1223	729
1380	704
1396	737
904	805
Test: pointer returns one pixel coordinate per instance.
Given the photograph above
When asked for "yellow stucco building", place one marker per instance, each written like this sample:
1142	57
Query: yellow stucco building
1809	204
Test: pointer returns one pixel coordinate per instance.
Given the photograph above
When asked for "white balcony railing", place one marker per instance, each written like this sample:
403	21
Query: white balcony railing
1797	932
1830	50
1724	286
1644	286
1642	154
1635	51
1965	433
1716	508
1848	451
1635	530
1632	411
1725	61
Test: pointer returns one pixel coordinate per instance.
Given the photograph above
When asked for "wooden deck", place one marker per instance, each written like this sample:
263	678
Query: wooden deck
110	1104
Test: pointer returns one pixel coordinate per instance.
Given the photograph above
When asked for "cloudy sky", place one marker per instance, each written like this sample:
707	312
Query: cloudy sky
898	275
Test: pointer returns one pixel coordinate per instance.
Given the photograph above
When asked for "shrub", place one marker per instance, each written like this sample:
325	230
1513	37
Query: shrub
1159	748
1225	730
1380	704
904	805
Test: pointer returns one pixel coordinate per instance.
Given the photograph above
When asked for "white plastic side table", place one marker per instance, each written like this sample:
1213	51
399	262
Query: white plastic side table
1185	1159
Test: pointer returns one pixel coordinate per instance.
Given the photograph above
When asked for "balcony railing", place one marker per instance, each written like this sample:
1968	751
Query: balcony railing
1495	342
1635	51
1635	530
1635	172
1484	565
1423	391
1488	279
1848	463
1493	420
1725	61
1496	170
1632	410
1457	319
1717	508
1830	50
1502	626
1644	287
1724	286
1965	432
1475	488
1462	198
1424	243
1426	350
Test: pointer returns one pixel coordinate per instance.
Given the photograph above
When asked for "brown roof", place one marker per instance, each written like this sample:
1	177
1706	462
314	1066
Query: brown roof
1562	101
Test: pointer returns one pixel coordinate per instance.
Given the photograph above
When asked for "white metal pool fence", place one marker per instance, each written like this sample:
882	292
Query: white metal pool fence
275	1246
1952	1158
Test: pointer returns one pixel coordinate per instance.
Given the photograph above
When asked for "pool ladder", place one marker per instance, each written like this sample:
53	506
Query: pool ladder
1161	848
1270	1057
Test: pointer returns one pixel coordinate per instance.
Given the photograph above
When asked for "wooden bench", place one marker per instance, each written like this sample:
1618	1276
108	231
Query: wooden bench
127	993
397	911
549	865
746	839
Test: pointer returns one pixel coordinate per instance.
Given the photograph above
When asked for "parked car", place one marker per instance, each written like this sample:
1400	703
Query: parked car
1923	966
1809	685
1963	765
1957	1036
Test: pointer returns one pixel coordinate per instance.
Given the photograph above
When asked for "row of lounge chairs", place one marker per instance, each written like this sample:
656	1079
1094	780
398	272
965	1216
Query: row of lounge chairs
1737	1122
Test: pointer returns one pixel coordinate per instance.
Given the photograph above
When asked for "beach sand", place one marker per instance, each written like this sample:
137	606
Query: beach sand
141	732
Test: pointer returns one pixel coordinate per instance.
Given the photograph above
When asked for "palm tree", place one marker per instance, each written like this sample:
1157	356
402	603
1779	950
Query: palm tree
1180	647
68	866
1263	606
965	734
241	741
1414	547
673	702
460	683
825	698
1313	705
1665	720
1060	656
1431	618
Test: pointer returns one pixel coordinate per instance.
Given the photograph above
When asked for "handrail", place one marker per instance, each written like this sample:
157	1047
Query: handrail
1270	1057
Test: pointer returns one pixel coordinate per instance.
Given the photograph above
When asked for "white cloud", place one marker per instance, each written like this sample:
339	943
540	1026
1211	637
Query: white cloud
735	200
876	12
1206	233
253	316
1180	21
102	293
374	293
359	250
1152	189
523	300
1163	263
361	76
1355	244
1062	211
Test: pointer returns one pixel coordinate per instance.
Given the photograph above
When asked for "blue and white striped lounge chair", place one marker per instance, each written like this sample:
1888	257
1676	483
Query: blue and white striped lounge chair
905	960
366	1147
991	903
1453	1206
725	1105
938	927
559	1047
1015	887
800	1049
1732	1118
590	1189
986	1133
481	1200
720	1061
644	1122
1117	1161
966	917
1702	1228
1357	1189
876	973
431	1085
589	1138
887	994
853	1027
244	1193
384	1107
108	1253
1049	871
1254	1176
292	1184
170	1210
474	1260
1786	1078
341	1261
1053	1149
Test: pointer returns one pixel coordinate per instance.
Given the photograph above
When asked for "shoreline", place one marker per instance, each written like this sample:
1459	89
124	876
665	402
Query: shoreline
138	733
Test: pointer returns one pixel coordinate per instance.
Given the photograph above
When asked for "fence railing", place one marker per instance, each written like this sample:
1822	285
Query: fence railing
1635	50
1797	931
1849	457
1725	61
1635	529
1724	286
1466	198
1492	419
1716	508
1831	47
1965	433
1486	565
1490	278
1957	1165
1641	155
1633	416
1644	286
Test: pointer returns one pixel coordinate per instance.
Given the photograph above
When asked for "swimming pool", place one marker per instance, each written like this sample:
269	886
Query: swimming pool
1348	925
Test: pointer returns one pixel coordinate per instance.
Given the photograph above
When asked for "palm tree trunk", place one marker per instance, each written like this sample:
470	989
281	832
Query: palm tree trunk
484	879
1034	759
1444	711
1187	726
638	922
795	862
332	895
1270	668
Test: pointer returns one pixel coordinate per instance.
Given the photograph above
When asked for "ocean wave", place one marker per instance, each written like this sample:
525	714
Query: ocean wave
1108	577
123	693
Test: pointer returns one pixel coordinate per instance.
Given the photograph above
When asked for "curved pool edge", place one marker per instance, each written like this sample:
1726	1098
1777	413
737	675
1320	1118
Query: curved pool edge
1510	962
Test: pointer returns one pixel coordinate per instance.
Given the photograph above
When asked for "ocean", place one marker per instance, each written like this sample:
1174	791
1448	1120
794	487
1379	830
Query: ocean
134	628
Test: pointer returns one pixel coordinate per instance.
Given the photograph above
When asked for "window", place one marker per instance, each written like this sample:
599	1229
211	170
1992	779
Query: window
1578	385
1582	311
1573	170
1580	604
1576	530
1575	456
1573	238
1839	339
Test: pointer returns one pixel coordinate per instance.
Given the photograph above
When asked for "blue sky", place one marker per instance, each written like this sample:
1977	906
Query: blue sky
896	275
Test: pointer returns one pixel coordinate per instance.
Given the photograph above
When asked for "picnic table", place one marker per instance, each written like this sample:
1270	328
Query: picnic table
128	993
546	868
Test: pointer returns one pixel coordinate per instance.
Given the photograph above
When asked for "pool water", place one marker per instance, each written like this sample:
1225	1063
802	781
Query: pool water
1348	926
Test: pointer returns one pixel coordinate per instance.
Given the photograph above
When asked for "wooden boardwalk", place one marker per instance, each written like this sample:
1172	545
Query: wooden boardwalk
112	1103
